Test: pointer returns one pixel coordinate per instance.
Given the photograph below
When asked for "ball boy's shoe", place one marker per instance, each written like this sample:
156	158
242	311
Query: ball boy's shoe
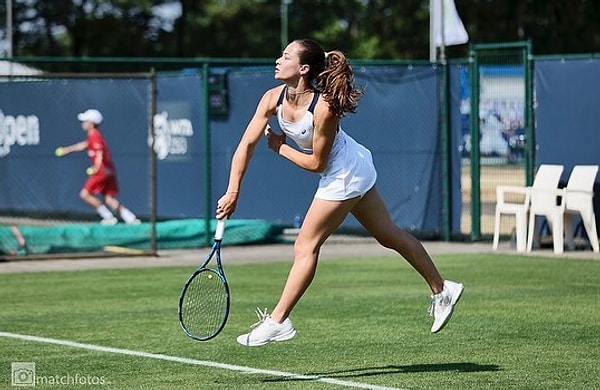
109	221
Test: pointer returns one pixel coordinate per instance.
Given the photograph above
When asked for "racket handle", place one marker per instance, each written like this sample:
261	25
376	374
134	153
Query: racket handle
220	229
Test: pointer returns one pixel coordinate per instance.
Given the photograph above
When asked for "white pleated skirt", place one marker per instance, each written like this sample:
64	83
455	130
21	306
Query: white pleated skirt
350	173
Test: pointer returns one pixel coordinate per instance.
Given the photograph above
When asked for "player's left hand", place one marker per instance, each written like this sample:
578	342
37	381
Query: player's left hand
274	140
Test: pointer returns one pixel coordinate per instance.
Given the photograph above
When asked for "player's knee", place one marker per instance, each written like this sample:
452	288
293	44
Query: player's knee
390	238
112	202
385	242
305	248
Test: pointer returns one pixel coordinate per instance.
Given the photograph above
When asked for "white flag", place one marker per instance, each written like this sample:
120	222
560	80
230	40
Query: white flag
454	30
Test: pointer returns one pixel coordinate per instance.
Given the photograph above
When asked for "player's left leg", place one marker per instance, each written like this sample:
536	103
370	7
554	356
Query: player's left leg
110	191
124	212
107	217
372	213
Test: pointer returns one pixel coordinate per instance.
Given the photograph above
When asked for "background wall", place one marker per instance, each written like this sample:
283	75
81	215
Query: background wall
567	114
398	119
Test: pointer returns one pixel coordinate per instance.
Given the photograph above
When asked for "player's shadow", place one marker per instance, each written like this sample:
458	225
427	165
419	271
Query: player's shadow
392	369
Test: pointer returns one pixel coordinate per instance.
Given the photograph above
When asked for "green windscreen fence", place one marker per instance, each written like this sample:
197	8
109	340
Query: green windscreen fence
127	239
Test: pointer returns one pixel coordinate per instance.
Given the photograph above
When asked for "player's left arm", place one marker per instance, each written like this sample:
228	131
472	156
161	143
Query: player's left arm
98	158
325	128
97	161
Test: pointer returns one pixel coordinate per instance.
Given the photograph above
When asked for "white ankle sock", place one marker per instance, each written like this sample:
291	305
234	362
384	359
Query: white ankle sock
104	212
127	215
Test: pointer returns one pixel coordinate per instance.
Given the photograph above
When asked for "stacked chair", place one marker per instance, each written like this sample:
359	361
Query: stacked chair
558	205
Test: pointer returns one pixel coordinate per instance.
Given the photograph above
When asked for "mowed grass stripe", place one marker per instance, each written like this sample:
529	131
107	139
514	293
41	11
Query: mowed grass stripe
523	322
177	359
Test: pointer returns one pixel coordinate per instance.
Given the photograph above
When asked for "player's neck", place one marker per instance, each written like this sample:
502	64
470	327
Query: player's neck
298	97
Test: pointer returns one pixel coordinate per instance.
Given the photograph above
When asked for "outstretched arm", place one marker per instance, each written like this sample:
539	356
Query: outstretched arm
245	150
78	147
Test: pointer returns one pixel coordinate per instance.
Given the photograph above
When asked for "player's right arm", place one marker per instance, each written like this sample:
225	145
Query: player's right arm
245	149
78	147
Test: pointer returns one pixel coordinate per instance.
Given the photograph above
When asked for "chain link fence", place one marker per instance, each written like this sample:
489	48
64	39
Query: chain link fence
42	212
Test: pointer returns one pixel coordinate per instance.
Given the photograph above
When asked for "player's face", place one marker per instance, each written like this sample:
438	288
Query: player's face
288	67
87	125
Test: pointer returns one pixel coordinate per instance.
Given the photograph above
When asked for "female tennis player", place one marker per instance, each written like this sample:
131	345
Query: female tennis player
102	177
317	92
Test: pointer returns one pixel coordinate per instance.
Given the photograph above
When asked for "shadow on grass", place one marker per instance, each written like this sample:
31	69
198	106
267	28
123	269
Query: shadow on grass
392	369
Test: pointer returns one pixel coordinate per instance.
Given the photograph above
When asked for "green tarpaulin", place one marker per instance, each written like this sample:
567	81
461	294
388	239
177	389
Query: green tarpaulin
174	234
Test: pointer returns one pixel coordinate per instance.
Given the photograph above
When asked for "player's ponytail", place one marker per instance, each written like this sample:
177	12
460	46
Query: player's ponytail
336	83
331	74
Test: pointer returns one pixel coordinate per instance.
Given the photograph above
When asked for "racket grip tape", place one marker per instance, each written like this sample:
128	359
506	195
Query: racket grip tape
220	229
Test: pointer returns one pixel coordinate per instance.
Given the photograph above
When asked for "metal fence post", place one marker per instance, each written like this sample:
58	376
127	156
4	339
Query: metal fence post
208	204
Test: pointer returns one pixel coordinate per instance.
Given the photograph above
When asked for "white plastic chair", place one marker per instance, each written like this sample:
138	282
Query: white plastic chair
549	201
579	201
512	200
516	200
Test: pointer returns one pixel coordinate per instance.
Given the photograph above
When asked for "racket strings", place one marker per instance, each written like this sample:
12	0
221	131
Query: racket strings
204	307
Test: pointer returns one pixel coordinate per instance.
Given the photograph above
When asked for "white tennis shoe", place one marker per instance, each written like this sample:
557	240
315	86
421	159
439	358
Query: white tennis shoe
109	221
442	304
266	330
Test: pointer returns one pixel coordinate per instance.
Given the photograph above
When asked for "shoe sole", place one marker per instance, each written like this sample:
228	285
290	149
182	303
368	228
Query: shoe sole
282	337
285	337
454	302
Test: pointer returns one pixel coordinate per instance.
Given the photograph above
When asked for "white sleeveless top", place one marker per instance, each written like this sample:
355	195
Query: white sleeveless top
349	172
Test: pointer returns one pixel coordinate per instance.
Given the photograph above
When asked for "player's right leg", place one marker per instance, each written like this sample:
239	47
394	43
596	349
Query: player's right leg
321	220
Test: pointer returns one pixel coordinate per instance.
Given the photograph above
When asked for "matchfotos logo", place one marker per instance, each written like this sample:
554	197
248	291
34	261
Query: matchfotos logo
23	374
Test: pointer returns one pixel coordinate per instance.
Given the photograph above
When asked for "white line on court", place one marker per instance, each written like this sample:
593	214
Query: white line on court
224	366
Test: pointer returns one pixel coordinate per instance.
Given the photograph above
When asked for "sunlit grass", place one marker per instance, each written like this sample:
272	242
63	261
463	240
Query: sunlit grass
523	322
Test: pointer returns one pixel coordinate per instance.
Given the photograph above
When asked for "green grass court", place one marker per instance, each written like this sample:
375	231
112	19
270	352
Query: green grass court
522	323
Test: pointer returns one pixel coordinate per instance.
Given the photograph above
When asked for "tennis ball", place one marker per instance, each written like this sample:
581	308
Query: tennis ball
210	276
59	152
90	171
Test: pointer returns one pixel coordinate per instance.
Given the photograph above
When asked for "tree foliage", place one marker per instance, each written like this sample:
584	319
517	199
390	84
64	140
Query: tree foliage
381	29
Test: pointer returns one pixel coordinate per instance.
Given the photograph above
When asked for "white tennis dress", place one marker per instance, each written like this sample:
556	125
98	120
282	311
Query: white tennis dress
350	171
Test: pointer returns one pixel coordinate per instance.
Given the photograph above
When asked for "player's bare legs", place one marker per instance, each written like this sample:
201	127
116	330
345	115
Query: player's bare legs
112	202
90	199
372	213
374	216
107	217
123	211
322	219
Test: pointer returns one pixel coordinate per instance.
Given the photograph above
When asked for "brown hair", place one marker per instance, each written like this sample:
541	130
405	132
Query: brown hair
332	75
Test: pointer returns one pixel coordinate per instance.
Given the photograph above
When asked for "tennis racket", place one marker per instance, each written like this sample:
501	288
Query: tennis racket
204	300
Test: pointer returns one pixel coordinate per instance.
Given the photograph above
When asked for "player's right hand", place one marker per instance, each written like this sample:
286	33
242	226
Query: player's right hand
226	205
